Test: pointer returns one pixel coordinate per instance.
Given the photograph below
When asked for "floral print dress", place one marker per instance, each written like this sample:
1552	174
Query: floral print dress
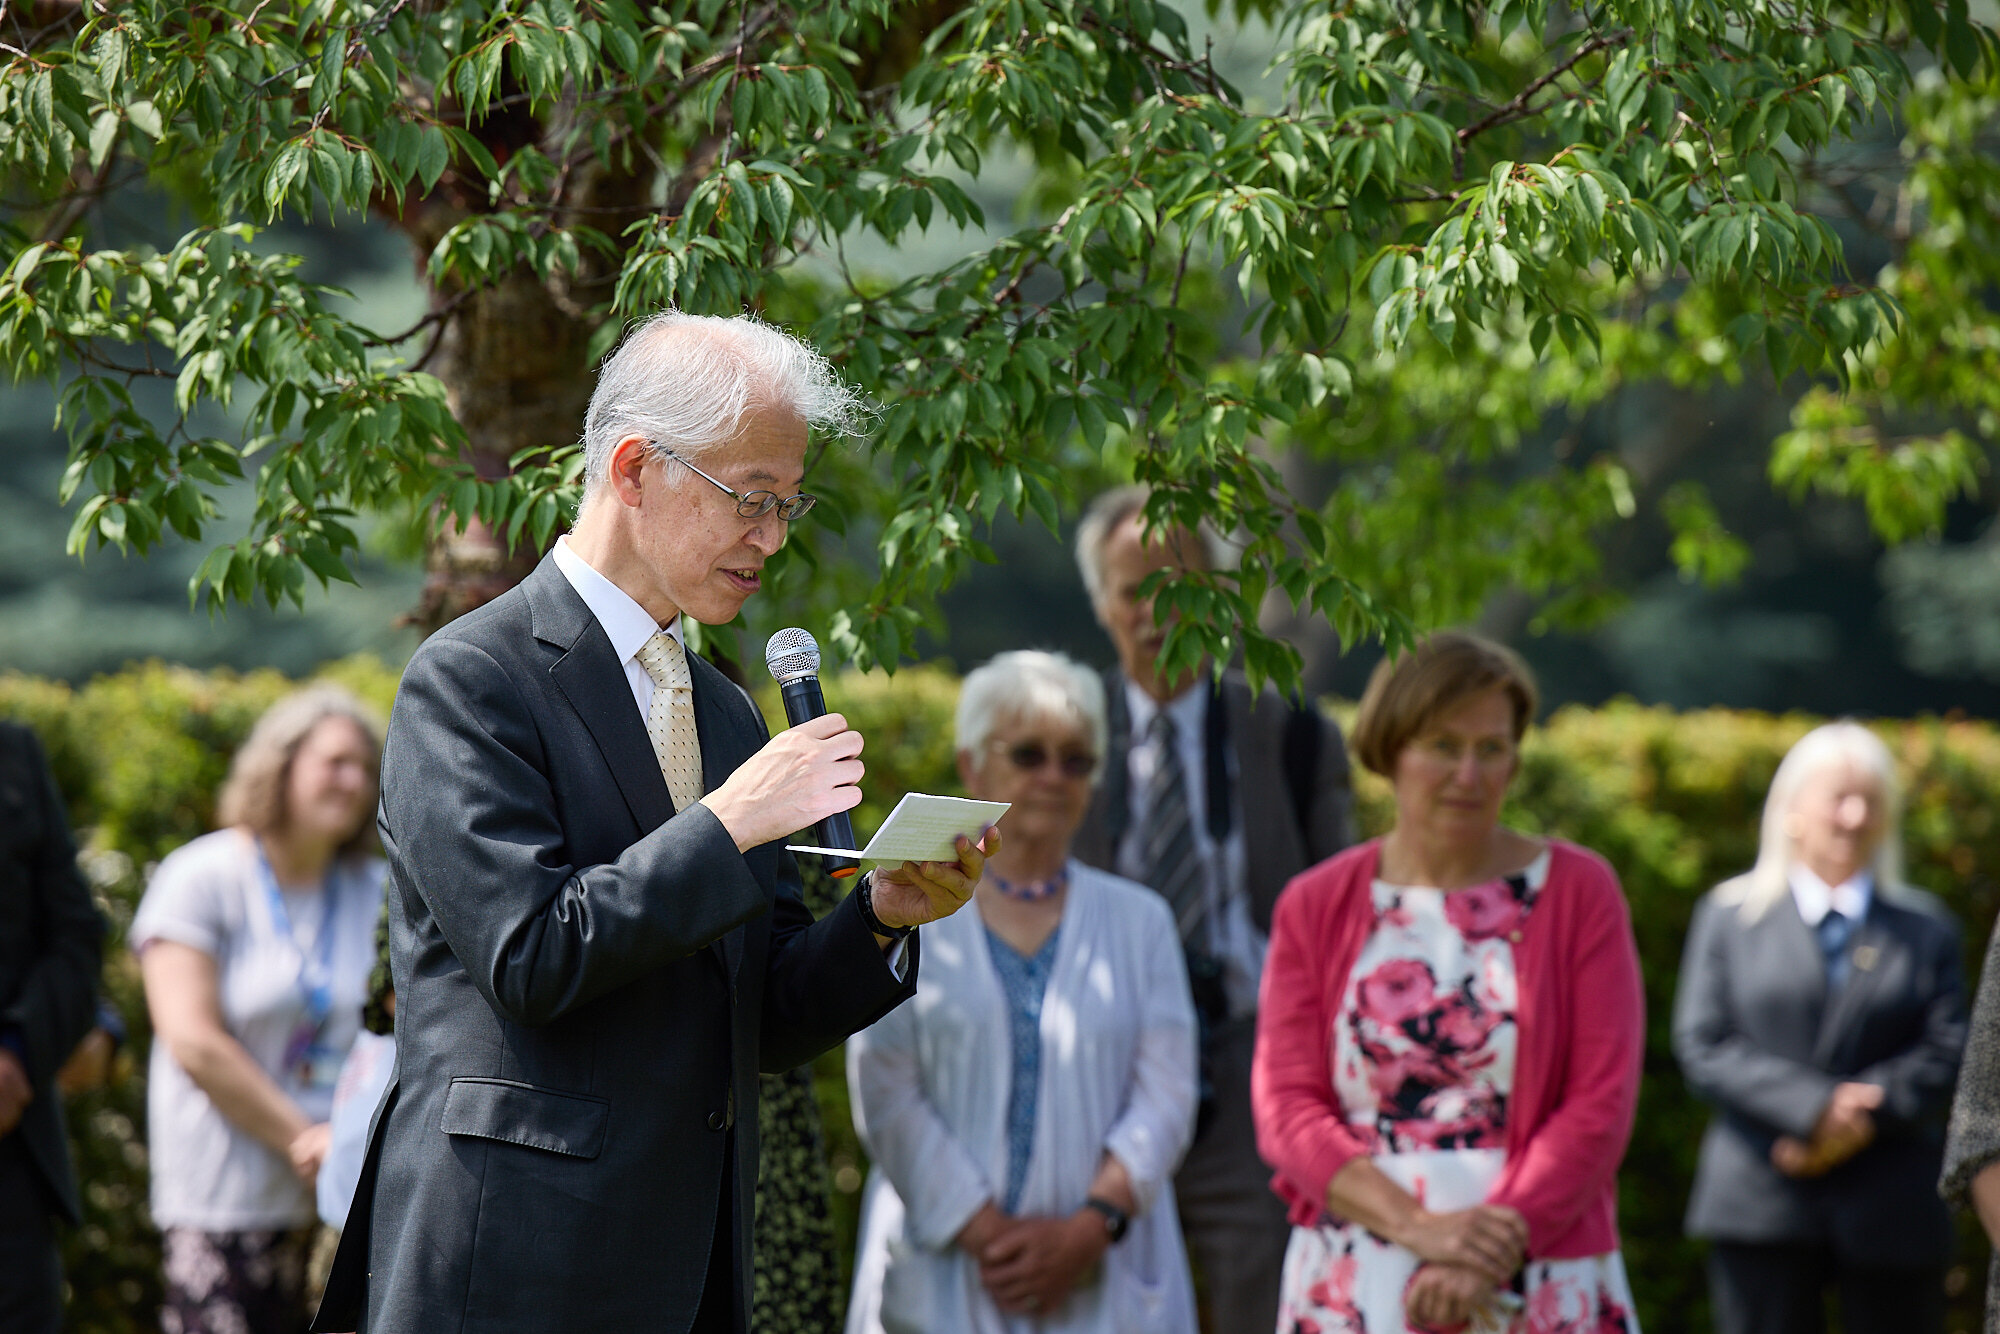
1423	1061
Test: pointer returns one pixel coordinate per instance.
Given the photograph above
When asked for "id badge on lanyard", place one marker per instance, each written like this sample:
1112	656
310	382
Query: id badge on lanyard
308	1057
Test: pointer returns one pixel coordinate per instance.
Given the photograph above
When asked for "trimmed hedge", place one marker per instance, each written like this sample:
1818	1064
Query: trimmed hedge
1671	799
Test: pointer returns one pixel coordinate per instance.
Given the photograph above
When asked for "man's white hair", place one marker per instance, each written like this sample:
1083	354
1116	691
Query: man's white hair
685	381
1028	685
1764	884
1102	519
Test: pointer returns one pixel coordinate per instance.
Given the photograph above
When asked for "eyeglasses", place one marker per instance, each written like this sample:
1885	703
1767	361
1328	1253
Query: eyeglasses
1487	752
1028	756
753	506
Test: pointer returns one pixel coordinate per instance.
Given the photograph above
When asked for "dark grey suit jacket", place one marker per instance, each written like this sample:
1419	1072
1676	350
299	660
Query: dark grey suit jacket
587	985
1757	1037
51	942
1277	845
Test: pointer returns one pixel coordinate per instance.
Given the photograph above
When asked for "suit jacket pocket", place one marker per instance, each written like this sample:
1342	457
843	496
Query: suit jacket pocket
516	1113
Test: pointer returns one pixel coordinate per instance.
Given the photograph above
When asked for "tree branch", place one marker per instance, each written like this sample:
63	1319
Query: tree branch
1517	107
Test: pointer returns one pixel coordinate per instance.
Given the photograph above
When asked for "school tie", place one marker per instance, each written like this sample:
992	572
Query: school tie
1168	856
1834	931
670	720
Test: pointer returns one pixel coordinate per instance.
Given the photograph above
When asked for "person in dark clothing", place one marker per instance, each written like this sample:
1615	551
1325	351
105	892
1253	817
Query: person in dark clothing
51	944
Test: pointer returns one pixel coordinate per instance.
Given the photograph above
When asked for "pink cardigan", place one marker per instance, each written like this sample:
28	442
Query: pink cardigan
1576	1077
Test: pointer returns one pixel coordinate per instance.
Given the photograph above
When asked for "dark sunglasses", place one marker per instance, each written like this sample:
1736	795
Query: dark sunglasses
1028	756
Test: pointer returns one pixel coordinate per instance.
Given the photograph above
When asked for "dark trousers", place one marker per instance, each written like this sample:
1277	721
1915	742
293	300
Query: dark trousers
1780	1288
30	1271
1235	1227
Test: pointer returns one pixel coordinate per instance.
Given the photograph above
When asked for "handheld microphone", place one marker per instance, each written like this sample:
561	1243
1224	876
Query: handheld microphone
793	657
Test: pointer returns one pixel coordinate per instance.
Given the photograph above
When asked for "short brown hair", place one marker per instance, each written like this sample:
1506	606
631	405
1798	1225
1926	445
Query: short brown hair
1405	695
253	795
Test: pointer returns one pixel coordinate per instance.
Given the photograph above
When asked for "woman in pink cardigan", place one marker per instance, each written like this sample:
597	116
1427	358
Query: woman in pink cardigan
1449	1038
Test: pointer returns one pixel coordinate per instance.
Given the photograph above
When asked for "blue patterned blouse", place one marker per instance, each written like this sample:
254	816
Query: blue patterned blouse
1024	979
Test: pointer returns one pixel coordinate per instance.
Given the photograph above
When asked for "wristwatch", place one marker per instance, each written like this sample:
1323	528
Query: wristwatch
864	898
1116	1221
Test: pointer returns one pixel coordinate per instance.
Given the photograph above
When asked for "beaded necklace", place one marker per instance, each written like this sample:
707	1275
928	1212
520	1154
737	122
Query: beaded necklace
1029	891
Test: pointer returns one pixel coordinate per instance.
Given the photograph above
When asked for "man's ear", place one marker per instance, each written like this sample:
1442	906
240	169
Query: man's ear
623	472
965	769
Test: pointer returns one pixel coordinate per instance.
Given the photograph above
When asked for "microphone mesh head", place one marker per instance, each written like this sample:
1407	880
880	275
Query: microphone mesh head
792	654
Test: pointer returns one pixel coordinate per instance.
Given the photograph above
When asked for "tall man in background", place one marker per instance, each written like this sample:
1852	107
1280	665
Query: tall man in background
51	942
1215	796
596	939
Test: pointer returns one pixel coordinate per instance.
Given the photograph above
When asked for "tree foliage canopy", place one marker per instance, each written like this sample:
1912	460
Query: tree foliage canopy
1450	220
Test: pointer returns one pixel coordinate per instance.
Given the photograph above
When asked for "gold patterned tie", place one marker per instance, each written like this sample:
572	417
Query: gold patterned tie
670	720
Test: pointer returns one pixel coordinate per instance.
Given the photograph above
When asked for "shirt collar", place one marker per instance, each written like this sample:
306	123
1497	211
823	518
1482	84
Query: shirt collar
1185	708
1816	898
626	624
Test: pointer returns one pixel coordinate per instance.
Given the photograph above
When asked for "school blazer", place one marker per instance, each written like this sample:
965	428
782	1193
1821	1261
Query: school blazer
1758	1037
587	986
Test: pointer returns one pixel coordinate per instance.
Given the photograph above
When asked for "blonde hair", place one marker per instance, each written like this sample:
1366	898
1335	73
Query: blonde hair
253	795
1769	880
1406	695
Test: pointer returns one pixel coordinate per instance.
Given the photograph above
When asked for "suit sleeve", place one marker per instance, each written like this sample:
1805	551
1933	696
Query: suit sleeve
1972	1142
1157	1123
1331	826
1301	1129
1721	1065
469	814
826	979
1916	1082
57	1000
1571	1157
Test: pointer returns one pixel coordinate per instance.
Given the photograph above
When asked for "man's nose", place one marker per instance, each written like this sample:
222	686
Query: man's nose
768	533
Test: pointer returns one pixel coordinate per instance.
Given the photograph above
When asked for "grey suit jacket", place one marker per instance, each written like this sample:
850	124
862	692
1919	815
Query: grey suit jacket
1757	1036
1972	1140
51	942
1277	844
587	985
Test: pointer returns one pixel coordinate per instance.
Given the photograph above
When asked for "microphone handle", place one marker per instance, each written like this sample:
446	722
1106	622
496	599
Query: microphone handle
803	700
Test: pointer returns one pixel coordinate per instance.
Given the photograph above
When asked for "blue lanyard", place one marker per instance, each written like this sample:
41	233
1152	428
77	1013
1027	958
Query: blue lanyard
316	969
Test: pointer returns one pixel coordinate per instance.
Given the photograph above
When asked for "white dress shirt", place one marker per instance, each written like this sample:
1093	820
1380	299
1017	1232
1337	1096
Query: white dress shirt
627	624
1226	930
1816	898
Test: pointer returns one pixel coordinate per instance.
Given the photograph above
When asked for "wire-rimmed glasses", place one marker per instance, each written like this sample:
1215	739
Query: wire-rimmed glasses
756	504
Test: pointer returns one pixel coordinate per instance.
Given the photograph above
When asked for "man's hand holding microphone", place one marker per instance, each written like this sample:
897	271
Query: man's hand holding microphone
810	775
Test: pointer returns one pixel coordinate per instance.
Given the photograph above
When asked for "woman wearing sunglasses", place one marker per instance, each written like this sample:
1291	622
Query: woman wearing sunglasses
1026	1110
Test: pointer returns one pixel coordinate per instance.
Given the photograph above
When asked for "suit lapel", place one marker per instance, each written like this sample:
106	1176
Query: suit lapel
1112	797
592	679
724	745
1871	952
1791	949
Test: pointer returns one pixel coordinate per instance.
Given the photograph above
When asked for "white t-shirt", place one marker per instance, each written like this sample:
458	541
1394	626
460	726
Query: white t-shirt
213	895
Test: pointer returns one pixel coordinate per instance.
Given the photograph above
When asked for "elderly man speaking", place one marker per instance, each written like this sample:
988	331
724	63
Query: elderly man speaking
597	940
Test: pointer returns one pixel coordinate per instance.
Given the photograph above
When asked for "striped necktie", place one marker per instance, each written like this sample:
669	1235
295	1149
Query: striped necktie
670	720
1168	860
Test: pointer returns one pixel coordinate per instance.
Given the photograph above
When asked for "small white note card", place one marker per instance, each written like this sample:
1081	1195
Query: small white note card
922	828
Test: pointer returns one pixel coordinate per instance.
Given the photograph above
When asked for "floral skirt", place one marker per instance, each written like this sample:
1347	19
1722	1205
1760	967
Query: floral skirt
1342	1279
250	1282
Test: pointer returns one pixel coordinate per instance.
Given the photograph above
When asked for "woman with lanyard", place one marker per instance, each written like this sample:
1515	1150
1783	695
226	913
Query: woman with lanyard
255	944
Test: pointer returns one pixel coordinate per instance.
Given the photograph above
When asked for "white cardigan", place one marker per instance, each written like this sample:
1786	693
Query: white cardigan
930	1083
